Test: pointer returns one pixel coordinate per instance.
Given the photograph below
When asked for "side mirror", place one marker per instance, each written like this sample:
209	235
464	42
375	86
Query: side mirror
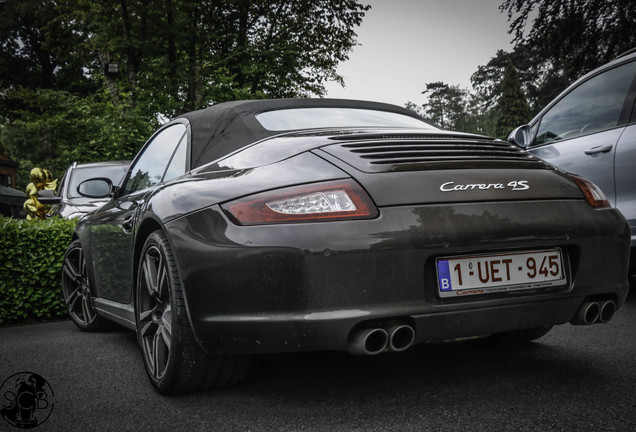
48	197
520	136
95	188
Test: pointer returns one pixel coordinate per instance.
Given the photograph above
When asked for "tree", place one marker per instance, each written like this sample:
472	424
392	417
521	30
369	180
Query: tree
173	56
54	128
487	80
190	53
445	105
567	38
556	42
512	108
479	120
38	50
418	109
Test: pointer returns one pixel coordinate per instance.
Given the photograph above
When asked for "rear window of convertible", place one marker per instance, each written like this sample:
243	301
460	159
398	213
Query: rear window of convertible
311	118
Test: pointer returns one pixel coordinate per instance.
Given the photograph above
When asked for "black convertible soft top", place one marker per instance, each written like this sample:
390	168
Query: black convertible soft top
226	127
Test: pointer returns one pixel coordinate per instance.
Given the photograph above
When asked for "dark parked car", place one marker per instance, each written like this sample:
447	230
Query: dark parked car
67	202
11	202
302	225
590	130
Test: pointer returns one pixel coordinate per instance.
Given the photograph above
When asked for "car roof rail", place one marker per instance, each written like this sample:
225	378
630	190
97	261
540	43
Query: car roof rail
626	53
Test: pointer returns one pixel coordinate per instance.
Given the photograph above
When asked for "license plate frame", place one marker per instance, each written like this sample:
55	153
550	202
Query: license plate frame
468	275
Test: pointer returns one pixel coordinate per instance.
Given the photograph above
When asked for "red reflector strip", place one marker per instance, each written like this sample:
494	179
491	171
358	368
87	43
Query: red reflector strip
592	193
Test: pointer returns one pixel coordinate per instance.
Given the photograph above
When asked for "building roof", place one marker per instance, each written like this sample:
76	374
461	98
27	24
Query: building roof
4	160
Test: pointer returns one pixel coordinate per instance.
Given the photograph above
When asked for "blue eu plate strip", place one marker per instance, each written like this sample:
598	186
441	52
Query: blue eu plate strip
443	276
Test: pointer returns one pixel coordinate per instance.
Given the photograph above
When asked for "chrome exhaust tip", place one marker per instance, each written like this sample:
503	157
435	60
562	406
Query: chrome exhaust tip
588	313
607	311
368	341
401	337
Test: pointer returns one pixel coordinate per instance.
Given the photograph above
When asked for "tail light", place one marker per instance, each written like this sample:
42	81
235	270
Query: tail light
593	194
335	200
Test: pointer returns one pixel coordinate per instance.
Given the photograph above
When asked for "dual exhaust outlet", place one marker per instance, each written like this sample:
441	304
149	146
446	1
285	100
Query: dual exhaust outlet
371	341
594	312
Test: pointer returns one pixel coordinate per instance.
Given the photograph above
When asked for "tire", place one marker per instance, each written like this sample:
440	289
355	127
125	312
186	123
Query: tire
174	361
77	290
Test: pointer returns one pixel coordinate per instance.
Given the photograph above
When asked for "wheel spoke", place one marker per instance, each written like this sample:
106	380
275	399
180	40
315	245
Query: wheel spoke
87	309
150	275
72	299
148	329
145	315
71	271
160	352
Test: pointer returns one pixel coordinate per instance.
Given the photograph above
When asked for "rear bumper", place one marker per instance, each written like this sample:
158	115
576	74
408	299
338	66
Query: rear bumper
333	330
306	287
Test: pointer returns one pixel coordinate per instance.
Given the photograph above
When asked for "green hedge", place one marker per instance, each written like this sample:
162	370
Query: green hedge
31	258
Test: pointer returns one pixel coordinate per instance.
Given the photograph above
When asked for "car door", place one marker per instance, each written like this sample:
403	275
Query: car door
625	174
580	132
113	227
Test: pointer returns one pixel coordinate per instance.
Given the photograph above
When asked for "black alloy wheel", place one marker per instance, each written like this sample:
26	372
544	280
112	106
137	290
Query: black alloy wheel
77	290
154	310
174	361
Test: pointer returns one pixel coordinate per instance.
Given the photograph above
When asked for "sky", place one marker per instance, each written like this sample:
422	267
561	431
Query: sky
404	44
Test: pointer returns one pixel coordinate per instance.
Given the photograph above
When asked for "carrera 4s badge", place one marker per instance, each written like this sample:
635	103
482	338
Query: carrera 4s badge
516	185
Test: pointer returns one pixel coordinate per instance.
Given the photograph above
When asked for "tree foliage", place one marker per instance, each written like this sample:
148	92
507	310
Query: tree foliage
555	43
512	108
38	49
52	128
445	105
173	56
487	79
454	108
563	39
186	54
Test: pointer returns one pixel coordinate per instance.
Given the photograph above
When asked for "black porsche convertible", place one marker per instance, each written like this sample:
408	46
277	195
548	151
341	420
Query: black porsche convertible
274	226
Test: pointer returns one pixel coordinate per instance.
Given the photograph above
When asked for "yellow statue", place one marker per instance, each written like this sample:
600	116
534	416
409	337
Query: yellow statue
40	179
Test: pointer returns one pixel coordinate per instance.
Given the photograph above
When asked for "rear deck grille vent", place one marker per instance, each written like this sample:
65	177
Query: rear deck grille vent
435	152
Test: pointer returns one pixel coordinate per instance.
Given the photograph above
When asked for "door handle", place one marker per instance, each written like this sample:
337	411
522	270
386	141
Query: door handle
129	221
127	224
599	149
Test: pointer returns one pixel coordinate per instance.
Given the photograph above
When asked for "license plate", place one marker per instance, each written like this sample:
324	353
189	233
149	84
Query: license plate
484	274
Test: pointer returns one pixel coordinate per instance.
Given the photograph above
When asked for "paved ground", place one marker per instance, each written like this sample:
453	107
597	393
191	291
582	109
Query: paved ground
575	378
